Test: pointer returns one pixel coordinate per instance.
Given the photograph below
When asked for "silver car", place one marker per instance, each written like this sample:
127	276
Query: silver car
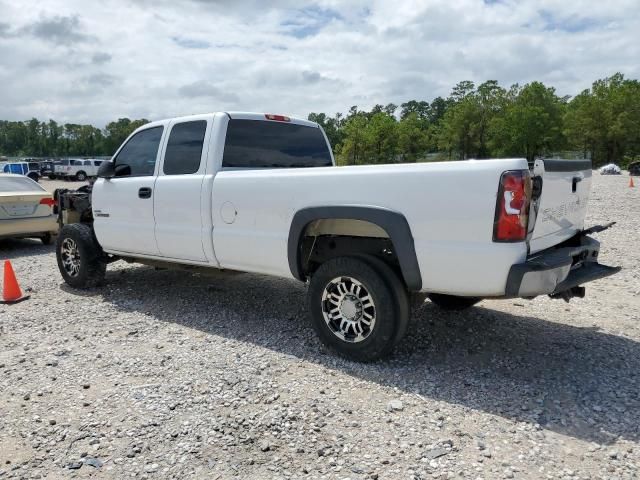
26	209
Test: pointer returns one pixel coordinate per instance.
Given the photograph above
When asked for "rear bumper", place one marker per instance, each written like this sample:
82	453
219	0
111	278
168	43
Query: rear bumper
25	227
558	269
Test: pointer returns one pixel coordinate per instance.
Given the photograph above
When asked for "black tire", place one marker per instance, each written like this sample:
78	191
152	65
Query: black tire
380	338
81	176
400	293
452	302
91	267
46	239
52	177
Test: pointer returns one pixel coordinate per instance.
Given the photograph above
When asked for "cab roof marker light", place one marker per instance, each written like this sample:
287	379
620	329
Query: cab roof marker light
277	118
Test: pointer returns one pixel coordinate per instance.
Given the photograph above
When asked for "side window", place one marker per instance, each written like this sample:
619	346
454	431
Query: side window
87	162
97	163
184	148
140	153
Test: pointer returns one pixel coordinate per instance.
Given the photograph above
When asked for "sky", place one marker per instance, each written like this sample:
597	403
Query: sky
84	61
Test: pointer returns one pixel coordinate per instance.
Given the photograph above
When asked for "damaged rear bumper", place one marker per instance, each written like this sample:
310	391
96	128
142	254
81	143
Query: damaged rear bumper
559	271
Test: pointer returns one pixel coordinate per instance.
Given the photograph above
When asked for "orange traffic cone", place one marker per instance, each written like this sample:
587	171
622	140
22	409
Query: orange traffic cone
631	185
11	292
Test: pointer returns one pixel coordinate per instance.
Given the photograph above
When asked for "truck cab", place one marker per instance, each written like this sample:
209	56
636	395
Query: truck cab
153	205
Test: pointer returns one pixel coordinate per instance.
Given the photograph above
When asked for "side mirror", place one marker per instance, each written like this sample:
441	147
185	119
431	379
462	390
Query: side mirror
107	170
122	170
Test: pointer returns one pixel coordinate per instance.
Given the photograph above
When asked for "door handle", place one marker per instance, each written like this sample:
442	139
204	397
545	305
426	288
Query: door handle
144	192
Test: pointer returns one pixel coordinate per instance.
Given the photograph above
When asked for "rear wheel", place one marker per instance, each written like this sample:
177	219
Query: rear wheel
353	309
452	302
80	257
400	294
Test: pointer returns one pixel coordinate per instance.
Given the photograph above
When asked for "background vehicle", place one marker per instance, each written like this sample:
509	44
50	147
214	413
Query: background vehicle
610	169
634	168
34	171
47	169
21	168
77	169
25	209
260	193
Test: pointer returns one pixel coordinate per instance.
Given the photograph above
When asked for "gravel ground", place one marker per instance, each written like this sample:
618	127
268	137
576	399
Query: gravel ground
167	374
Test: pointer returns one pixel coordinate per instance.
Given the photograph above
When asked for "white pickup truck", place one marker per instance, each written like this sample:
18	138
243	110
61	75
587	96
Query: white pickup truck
76	169
261	193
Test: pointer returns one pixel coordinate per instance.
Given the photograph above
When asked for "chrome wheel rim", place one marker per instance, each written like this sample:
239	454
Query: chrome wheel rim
348	309
70	256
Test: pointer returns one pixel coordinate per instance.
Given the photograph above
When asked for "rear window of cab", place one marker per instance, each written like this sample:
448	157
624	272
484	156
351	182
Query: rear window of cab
270	144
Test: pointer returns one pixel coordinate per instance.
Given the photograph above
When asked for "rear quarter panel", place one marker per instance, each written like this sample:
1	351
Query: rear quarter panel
450	208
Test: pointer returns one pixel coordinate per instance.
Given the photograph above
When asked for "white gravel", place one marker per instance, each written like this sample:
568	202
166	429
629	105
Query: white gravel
167	374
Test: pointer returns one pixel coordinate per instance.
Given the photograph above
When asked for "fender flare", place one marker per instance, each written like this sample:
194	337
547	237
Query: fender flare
394	223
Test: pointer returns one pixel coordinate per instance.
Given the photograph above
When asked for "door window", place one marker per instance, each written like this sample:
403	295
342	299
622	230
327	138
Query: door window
139	153
184	148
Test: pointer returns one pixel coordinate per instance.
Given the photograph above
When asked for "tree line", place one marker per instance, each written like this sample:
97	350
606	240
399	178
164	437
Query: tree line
488	120
483	121
33	138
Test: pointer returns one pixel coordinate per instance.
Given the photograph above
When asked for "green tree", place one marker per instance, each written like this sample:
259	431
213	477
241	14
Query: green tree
117	132
530	123
353	149
380	137
605	120
413	137
458	129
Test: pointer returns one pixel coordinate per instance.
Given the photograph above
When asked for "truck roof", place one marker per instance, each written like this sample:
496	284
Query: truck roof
233	115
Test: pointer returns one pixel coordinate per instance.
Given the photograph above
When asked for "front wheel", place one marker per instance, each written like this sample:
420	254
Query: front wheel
80	257
452	302
353	309
81	176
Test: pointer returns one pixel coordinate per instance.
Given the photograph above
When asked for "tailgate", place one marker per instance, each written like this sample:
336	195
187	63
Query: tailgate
561	205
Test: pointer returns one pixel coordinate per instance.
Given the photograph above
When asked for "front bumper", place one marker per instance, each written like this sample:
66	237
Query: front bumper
558	269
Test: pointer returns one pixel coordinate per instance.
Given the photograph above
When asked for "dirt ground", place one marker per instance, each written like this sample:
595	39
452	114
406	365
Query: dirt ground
167	374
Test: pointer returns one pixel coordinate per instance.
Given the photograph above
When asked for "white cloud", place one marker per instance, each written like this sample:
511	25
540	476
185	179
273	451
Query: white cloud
79	61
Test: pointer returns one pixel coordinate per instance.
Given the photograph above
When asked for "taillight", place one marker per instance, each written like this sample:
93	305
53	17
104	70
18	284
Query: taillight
48	201
512	207
277	118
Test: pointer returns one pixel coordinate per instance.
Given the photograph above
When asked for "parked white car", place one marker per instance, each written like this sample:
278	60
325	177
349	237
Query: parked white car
77	169
610	169
26	209
260	193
